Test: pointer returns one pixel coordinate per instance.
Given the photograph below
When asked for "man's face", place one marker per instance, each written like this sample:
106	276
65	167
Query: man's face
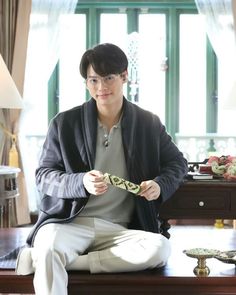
105	90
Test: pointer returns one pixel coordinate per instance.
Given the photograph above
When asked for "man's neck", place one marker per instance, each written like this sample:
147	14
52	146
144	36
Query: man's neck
109	117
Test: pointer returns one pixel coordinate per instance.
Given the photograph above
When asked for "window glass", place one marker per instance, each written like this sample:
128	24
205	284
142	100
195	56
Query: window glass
226	100
192	85
146	85
152	63
71	85
118	36
35	88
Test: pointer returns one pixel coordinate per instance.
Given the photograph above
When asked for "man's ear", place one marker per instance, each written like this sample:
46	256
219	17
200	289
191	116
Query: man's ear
124	76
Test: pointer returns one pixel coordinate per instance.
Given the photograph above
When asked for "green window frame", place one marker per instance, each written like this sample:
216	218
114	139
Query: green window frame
172	9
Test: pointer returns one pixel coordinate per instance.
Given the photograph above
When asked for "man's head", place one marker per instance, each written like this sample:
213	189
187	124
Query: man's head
105	59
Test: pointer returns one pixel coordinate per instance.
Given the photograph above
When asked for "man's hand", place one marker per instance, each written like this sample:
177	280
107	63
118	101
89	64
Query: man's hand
150	190
94	183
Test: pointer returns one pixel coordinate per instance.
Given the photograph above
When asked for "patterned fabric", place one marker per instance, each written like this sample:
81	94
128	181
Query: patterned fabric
8	261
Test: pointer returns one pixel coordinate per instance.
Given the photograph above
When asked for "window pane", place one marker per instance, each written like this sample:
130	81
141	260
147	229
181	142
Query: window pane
36	75
72	89
151	29
117	36
192	118
152	56
227	99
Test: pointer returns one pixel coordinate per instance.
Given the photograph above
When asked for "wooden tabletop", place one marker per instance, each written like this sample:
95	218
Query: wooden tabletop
176	277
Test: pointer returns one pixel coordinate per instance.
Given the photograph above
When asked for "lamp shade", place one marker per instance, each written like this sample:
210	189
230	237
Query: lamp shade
9	95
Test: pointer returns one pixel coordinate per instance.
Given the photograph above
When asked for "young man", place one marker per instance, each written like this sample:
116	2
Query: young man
85	223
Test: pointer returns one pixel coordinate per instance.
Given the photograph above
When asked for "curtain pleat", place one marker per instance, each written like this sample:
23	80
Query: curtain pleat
8	15
44	43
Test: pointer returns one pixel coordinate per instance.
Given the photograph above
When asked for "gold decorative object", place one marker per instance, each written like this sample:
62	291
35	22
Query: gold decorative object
219	223
201	270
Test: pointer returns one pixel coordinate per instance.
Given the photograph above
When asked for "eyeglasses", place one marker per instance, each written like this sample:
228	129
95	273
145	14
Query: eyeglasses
108	80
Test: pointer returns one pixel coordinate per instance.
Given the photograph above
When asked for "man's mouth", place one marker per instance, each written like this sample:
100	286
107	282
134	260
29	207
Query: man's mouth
103	95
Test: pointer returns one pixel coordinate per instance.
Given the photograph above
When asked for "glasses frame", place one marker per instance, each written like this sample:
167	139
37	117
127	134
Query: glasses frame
109	80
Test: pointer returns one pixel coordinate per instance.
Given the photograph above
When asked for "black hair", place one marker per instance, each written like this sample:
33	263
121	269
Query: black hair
105	59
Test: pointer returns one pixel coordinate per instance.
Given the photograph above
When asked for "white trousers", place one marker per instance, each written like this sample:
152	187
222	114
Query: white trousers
95	245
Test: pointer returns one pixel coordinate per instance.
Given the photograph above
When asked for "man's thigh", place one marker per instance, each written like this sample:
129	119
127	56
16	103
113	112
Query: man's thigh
65	237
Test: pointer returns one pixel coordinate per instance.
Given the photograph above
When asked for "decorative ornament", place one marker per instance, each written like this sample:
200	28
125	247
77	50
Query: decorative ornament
122	183
133	74
224	166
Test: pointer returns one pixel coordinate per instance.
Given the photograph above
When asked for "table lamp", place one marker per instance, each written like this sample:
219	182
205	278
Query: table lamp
9	99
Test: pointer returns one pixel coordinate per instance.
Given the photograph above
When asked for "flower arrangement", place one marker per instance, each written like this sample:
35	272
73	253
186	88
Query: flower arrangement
224	166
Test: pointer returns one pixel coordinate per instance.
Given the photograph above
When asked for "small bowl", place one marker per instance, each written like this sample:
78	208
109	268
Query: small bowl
227	256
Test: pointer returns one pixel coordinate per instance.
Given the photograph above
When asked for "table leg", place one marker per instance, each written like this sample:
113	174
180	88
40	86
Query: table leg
219	223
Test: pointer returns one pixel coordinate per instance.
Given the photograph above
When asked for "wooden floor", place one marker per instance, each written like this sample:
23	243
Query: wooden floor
176	277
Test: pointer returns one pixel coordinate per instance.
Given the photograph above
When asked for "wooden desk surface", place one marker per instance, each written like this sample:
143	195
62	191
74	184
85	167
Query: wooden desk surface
175	278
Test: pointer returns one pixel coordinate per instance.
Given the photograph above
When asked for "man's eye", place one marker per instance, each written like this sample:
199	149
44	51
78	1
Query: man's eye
109	78
93	81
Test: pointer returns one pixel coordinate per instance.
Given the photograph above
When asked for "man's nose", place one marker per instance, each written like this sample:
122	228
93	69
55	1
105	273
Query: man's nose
102	84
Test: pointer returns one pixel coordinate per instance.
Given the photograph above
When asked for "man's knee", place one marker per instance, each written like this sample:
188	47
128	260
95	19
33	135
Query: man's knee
157	248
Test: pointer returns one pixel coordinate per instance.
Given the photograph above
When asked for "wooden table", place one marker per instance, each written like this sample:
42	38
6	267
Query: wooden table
204	199
175	278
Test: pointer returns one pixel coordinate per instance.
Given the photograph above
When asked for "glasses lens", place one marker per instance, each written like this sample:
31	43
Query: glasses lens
92	82
108	80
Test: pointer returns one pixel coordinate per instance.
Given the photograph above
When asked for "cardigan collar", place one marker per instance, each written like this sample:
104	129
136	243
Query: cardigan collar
90	124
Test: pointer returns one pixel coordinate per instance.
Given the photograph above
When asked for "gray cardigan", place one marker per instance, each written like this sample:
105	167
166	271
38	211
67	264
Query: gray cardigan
69	151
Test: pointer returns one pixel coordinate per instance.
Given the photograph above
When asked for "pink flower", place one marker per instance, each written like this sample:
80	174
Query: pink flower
213	159
224	165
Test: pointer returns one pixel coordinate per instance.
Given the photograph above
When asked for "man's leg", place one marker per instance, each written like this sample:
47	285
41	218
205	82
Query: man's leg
117	249
55	247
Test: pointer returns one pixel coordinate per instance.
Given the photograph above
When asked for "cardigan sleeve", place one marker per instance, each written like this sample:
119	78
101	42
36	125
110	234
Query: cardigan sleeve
150	151
173	165
53	178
